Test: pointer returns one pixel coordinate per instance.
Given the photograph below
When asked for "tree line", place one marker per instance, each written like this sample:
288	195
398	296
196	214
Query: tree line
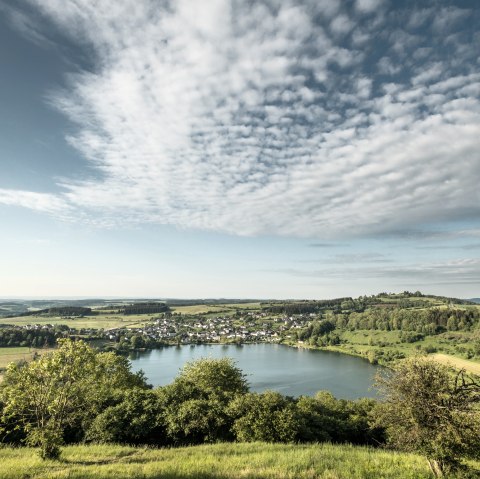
145	308
304	307
428	321
59	311
34	338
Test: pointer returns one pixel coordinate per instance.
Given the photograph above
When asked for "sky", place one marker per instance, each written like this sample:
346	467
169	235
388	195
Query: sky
239	149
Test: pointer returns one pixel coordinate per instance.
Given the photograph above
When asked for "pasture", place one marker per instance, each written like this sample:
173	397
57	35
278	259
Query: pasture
9	355
102	321
457	363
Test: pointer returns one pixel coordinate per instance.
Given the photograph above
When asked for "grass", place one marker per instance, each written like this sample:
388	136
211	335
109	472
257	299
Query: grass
219	461
254	306
199	309
88	322
215	308
457	363
8	355
450	345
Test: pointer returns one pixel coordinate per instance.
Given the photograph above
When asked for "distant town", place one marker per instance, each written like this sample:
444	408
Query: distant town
381	328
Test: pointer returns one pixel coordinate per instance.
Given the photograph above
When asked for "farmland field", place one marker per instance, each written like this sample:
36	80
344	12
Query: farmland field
8	355
458	363
93	322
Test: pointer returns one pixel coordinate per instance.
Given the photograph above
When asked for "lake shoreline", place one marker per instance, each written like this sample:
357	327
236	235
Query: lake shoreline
292	371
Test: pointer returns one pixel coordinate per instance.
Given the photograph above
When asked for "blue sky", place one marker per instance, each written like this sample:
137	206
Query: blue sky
264	149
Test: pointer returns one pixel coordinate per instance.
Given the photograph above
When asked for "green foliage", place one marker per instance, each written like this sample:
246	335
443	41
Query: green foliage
326	418
307	307
429	321
208	378
48	439
410	337
135	420
62	390
268	417
15	336
428	411
145	308
195	403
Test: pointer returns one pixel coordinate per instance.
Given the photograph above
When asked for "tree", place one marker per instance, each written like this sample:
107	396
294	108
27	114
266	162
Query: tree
195	403
326	418
135	420
266	416
432	412
137	341
62	389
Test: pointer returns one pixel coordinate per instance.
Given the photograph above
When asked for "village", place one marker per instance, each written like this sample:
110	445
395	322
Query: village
159	330
183	329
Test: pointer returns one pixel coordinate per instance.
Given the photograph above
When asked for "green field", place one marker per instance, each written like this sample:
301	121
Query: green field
103	321
458	363
215	308
199	309
219	461
361	342
8	355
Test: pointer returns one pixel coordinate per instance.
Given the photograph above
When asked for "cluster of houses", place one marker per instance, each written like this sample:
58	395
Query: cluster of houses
249	326
252	327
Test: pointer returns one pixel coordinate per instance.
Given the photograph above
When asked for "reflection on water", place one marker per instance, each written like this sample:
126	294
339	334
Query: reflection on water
291	371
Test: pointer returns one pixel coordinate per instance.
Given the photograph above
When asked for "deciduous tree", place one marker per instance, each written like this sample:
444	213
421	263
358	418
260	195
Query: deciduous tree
61	389
432	411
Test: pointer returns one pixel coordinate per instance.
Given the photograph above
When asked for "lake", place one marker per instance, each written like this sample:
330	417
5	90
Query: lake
290	371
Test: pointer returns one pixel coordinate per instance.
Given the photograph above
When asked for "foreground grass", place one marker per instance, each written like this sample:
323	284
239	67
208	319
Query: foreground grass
219	461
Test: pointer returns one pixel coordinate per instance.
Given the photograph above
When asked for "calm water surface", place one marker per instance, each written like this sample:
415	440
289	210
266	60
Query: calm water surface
290	371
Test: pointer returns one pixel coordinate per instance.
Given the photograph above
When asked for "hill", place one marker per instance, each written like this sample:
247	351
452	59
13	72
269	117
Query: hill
218	461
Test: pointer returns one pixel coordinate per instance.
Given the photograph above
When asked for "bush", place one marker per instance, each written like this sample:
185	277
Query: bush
195	404
135	420
267	416
428	411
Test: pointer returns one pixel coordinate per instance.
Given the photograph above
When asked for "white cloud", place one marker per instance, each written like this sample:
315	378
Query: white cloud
427	73
206	117
387	67
341	25
464	271
43	202
367	6
447	18
26	25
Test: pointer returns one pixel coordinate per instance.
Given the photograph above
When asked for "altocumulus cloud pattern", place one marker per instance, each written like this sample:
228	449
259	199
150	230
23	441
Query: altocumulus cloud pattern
307	118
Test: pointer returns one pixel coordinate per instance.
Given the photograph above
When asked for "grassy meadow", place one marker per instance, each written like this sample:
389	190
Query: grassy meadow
9	355
229	308
102	321
200	309
448	346
458	363
218	461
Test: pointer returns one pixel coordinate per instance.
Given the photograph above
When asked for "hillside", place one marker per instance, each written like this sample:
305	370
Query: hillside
382	328
219	461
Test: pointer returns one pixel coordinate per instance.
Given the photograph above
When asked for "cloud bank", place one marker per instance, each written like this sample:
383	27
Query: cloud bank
312	118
